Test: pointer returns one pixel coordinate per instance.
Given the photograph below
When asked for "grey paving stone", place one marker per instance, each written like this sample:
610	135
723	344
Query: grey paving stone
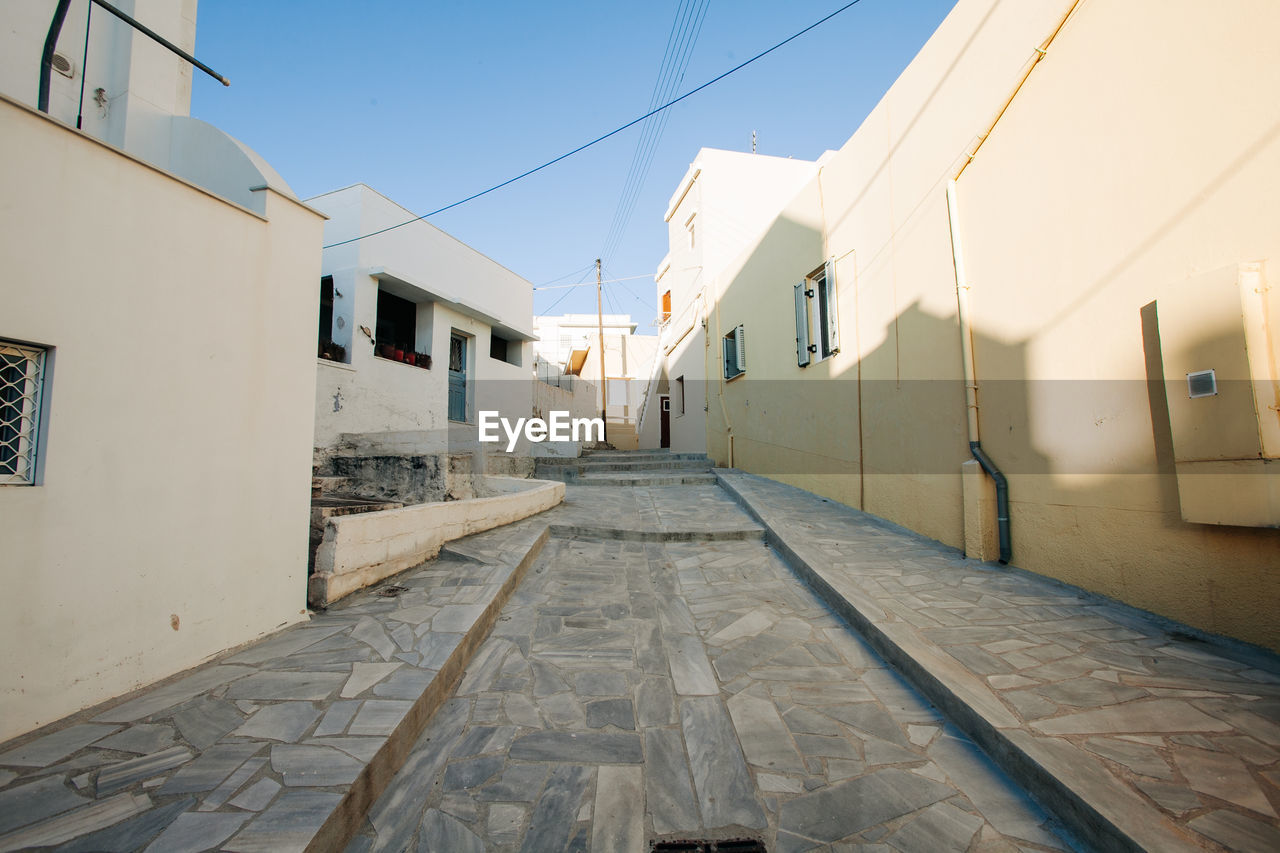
182	690
618	824
288	825
196	831
456	618
407	683
363	748
286	685
395	816
480	740
313	766
204	721
691	673
471	772
129	835
805	721
208	770
611	712
285	644
1176	798
989	790
1138	758
763	735
564	710
876	752
142	738
1237	831
521	710
726	794
1089	693
748	655
546	681
552	822
365	675
379	716
1156	715
257	796
655	702
871	718
287	721
337	718
76	822
840	810
34	801
505	823
597	748
1224	776
668	791
941	827
126	773
600	683
519	783
55	746
831	747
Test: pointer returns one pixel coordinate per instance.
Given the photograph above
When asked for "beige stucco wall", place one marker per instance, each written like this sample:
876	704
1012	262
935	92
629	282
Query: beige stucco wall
170	521
1141	152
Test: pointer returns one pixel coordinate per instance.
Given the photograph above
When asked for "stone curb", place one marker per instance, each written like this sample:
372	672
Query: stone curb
626	535
343	823
1070	785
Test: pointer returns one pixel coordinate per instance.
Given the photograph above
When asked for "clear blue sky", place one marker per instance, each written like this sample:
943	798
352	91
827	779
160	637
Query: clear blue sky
430	102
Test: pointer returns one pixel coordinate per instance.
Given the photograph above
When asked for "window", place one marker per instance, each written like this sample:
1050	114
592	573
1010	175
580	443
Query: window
735	353
679	396
666	306
504	349
397	323
21	386
819	285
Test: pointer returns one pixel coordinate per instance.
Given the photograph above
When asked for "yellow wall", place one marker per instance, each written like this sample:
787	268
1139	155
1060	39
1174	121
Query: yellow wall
170	521
1142	151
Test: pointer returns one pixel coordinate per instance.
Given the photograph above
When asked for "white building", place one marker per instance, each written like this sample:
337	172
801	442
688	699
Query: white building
723	202
156	382
570	343
414	290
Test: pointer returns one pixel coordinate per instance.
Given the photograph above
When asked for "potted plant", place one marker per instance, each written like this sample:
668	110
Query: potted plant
386	351
423	360
397	354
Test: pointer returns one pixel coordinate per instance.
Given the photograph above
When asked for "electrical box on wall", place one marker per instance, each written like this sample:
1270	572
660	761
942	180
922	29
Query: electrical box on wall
1222	381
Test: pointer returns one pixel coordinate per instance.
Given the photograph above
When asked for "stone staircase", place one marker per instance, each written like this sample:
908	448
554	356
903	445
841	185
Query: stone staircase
629	468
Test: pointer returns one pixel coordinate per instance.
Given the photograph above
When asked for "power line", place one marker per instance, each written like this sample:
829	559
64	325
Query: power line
550	286
602	138
567	292
684	35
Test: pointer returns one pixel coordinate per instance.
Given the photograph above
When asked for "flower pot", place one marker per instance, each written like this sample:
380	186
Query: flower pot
386	350
397	355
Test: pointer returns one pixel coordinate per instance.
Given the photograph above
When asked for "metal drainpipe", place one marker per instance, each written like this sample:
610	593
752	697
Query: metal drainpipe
970	378
46	59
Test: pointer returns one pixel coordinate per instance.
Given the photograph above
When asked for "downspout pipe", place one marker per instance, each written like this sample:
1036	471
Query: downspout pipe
46	58
970	378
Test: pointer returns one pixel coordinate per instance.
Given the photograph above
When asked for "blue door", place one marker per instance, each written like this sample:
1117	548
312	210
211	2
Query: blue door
457	378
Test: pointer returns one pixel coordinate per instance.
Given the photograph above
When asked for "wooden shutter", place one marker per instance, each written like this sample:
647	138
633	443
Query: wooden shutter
833	315
802	325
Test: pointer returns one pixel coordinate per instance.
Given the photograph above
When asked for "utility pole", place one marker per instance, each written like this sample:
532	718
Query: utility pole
604	400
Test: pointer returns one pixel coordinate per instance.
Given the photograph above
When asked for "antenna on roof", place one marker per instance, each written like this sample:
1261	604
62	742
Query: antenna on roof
753	142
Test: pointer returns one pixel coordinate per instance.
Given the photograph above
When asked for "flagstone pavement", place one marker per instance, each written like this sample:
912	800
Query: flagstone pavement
664	663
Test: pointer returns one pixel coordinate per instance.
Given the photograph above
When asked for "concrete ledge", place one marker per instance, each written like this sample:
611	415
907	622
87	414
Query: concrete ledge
628	535
1068	782
343	823
356	551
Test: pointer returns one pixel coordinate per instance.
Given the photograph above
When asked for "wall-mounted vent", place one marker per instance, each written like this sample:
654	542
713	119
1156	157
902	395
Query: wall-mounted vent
63	65
1202	383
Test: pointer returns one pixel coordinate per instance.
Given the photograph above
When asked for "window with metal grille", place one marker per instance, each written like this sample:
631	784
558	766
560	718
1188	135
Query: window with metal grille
735	353
21	386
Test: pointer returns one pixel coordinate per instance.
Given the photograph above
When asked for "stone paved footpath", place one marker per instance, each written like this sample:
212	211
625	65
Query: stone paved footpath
633	691
636	664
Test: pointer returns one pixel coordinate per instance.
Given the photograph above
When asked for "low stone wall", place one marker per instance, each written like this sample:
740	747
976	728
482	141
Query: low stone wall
359	550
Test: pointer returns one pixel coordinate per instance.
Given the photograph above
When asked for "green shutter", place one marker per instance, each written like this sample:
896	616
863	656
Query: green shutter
802	326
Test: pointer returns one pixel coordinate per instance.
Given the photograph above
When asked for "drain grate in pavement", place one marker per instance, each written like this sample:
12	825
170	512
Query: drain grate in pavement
701	845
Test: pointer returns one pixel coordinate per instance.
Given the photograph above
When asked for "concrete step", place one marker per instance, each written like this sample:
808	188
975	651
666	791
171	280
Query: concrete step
639	455
586	465
673	478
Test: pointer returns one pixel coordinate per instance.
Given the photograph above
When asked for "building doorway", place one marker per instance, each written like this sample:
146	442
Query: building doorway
457	378
664	430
